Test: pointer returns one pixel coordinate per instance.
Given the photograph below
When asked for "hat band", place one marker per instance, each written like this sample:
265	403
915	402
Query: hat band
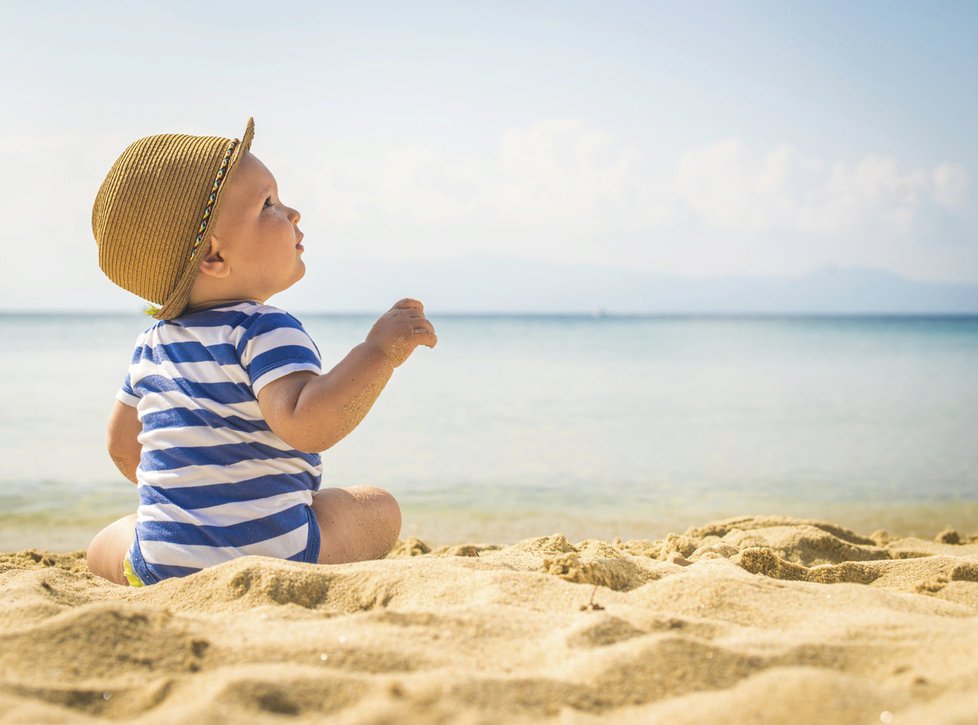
213	197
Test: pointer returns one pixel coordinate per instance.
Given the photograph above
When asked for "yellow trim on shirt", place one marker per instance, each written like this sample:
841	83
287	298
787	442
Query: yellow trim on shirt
130	573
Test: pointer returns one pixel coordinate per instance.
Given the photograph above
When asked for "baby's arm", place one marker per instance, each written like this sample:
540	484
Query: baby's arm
313	412
124	446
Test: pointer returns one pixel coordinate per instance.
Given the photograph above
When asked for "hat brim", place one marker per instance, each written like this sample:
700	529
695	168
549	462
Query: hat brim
177	301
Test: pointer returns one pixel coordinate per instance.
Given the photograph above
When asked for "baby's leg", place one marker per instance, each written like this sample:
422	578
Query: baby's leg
355	523
109	547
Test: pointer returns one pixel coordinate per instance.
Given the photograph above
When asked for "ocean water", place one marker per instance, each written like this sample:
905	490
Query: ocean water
518	426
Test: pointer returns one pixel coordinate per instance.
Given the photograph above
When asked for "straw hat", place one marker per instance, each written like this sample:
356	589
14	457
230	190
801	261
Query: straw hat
155	211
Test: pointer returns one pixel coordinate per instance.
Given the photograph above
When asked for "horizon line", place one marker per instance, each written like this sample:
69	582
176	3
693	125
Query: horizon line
599	313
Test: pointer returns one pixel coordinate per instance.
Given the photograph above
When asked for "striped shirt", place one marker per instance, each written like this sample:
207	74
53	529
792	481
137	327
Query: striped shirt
214	481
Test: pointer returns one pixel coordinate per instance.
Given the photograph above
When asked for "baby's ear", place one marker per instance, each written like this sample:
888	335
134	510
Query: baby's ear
213	264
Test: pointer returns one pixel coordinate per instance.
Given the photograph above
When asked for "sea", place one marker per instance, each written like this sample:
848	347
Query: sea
594	426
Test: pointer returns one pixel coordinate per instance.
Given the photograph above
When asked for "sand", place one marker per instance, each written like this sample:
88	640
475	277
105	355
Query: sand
756	619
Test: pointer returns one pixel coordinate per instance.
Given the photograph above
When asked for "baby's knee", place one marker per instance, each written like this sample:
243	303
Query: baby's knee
101	557
387	513
108	548
391	509
356	523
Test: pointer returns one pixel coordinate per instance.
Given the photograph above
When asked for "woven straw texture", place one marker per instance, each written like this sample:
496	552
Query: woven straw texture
159	195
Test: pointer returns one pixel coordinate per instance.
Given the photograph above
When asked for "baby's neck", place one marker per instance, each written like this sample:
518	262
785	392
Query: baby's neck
204	304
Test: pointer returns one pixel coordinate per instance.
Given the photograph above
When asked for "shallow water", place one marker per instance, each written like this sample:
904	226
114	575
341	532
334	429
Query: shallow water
594	426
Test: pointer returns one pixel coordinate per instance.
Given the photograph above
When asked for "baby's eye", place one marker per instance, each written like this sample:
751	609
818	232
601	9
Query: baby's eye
268	201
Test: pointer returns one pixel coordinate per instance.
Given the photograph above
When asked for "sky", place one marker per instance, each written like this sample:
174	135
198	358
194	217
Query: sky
700	139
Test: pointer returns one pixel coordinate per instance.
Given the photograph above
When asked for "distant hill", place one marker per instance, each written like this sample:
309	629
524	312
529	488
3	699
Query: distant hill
511	285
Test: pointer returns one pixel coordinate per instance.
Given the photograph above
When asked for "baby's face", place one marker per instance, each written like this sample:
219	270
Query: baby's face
256	234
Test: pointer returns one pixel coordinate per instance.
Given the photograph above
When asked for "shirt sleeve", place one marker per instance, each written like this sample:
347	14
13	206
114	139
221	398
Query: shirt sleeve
275	345
126	394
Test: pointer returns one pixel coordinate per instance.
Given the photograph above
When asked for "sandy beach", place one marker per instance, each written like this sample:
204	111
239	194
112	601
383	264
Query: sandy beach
758	619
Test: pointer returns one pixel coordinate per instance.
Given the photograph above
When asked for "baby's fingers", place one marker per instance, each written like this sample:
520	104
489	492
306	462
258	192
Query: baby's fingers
424	334
408	304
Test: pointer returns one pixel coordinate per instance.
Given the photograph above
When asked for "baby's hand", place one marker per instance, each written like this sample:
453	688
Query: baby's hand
401	329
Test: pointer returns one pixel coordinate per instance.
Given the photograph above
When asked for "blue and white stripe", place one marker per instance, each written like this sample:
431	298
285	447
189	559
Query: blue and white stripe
215	482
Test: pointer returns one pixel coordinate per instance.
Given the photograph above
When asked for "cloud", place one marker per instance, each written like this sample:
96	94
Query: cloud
730	188
552	173
727	188
422	184
950	183
358	183
561	174
558	190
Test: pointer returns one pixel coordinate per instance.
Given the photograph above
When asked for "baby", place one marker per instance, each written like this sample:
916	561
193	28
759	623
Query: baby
225	408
